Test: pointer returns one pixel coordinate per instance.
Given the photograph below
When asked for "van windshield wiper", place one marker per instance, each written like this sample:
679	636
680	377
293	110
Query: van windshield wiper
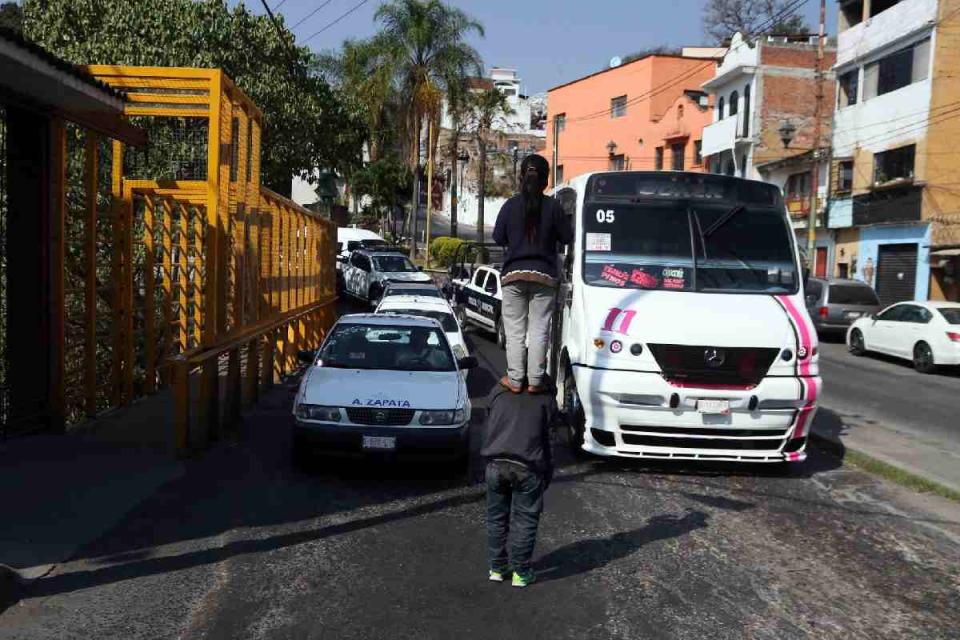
722	220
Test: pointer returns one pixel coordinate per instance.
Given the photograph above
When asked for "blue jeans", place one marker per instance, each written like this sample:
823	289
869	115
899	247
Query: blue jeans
514	504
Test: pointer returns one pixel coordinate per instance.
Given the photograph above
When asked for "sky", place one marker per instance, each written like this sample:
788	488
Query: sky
549	42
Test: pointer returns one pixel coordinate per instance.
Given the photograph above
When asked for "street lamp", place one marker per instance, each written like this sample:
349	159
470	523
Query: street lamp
786	131
611	147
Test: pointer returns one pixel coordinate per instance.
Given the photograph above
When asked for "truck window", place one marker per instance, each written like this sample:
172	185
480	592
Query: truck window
478	277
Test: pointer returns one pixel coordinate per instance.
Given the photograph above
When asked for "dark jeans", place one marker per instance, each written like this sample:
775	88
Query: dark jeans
514	504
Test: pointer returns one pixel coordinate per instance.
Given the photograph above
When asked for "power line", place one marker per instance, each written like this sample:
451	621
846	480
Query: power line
276	25
310	15
344	15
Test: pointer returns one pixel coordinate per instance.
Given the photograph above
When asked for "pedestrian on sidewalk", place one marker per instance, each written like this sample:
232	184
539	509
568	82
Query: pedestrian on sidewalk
530	226
516	448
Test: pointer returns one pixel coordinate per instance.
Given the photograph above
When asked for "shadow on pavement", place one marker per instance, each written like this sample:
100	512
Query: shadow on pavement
587	555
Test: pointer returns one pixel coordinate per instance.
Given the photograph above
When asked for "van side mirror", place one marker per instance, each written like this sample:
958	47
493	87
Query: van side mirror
307	356
468	362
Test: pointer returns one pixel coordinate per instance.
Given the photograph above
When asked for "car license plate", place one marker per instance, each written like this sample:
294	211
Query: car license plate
721	407
379	442
852	315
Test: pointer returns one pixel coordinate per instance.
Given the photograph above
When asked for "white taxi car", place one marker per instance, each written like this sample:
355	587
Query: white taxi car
427	307
928	333
383	384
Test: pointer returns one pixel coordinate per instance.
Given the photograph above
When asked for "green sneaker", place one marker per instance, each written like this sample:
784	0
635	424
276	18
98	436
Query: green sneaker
522	581
496	576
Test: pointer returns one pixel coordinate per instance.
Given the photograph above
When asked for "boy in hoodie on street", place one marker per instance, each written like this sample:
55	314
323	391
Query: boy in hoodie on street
516	448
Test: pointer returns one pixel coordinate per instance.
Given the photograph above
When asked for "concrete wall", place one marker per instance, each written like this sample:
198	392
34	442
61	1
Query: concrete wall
884	29
884	122
841	213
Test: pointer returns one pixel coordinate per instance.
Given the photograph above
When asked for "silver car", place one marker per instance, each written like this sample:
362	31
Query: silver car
834	304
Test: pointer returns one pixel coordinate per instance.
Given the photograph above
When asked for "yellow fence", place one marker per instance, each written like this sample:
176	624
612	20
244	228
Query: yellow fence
217	282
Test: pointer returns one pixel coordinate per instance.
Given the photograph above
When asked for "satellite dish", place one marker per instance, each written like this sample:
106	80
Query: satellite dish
615	61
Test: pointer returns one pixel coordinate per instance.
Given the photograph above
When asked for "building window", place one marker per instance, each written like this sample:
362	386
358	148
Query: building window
851	14
734	103
561	122
878	6
559	173
849	83
234	148
617	163
897	70
798	185
844	176
698	152
893	164
746	111
249	169
676	156
720	109
658	159
618	107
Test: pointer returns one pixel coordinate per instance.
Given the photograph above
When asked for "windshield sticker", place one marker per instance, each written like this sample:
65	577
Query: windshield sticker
643	279
616	276
598	242
674	278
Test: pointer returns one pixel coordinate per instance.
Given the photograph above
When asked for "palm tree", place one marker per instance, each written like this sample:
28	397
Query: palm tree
425	44
484	109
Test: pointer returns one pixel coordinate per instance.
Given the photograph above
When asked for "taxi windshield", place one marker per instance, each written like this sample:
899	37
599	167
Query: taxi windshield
393	264
447	321
395	348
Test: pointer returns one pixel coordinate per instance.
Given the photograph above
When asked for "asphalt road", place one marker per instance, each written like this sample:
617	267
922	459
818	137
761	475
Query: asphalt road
887	390
248	546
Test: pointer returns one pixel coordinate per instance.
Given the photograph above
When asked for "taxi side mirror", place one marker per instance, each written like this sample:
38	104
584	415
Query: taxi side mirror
468	362
307	356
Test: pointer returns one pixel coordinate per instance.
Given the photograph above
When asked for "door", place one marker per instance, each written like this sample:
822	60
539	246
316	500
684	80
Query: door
358	275
879	334
474	295
913	322
490	303
896	272
820	265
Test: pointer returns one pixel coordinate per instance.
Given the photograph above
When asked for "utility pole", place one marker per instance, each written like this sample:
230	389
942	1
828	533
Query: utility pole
556	149
817	118
454	161
429	185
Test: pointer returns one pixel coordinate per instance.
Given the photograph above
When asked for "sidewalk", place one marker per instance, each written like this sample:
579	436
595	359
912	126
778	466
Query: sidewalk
930	458
58	493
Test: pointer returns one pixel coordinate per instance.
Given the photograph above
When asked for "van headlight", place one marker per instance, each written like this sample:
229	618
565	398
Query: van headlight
443	417
318	412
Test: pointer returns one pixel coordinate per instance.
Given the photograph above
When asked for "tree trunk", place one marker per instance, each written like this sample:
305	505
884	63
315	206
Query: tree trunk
481	187
454	154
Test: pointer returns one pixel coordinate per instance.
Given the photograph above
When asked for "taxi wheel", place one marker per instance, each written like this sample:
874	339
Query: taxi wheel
501	336
923	358
856	343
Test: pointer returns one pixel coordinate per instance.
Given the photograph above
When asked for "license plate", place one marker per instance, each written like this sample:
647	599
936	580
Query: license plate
379	442
721	407
850	315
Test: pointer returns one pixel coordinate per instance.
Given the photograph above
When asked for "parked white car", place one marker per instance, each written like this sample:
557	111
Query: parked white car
429	307
927	333
383	384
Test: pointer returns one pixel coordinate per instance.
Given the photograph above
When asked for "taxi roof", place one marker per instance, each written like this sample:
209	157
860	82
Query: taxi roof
388	320
421	301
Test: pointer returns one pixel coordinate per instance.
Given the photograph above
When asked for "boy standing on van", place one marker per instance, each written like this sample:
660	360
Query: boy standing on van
516	448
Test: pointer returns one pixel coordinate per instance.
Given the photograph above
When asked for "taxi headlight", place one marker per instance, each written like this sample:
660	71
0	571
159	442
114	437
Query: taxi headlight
442	417
318	412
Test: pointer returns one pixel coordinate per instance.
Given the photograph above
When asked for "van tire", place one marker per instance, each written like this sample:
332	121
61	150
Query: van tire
573	413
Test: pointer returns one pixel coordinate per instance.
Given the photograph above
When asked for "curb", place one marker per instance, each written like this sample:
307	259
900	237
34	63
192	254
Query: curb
11	586
888	470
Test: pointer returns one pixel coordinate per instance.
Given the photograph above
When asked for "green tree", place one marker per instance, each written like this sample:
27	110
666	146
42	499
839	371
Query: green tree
424	43
384	181
484	108
306	124
10	16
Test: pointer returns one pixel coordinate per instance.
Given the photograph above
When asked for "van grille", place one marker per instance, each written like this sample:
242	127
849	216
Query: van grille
708	365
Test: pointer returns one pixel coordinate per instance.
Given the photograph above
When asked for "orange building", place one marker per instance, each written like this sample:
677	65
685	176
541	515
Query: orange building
646	114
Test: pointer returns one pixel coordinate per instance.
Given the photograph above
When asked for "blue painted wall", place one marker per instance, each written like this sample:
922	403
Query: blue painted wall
872	237
841	213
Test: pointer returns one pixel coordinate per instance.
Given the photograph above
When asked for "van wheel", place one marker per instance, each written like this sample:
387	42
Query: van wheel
923	358
501	336
856	343
573	412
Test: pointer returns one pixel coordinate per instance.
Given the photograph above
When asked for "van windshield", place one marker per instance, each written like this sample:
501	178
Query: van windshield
687	245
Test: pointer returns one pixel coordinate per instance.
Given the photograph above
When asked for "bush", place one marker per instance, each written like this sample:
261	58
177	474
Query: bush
444	249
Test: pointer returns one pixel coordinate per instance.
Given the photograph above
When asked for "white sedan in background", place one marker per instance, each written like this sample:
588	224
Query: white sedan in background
428	307
927	333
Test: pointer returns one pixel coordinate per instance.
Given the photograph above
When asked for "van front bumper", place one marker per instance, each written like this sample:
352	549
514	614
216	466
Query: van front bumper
629	414
411	442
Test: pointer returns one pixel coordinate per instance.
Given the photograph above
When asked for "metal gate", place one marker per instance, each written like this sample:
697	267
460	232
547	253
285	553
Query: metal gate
896	272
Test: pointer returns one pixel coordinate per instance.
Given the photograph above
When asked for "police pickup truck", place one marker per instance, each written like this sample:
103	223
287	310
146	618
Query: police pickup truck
475	291
368	271
383	384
